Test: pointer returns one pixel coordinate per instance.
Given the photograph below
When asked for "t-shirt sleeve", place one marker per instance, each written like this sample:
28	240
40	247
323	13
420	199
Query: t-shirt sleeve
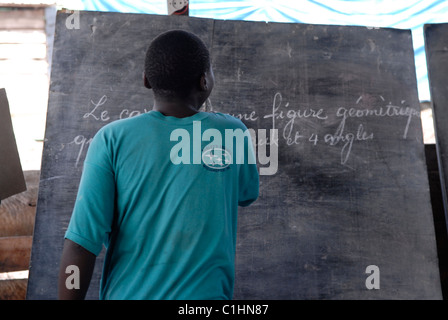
248	175
92	216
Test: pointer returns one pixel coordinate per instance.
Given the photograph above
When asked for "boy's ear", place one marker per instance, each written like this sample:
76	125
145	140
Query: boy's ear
146	82
203	85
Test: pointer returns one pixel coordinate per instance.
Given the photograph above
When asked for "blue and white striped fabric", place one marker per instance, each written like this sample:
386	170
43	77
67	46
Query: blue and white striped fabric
402	14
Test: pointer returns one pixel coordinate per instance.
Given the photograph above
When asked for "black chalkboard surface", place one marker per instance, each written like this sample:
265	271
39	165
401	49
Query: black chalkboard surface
436	43
350	191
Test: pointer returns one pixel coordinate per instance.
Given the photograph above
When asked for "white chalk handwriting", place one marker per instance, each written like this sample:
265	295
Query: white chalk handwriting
296	125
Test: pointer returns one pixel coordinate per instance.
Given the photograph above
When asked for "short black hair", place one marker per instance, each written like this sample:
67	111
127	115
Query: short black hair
175	61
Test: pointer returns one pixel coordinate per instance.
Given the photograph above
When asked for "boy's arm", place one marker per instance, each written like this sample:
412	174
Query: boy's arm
75	255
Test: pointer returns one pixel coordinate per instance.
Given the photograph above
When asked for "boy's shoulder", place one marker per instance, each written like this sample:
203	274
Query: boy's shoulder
217	119
227	120
120	126
124	122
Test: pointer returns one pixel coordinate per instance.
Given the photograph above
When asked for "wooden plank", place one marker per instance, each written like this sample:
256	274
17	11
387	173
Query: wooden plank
15	253
13	289
17	212
22	19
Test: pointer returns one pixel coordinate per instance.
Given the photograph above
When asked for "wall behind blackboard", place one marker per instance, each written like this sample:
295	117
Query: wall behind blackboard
351	188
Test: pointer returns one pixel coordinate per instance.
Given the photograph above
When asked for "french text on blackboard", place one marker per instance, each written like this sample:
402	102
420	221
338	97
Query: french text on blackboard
289	121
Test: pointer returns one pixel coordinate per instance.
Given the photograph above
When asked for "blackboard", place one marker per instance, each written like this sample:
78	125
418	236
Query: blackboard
351	189
436	45
12	180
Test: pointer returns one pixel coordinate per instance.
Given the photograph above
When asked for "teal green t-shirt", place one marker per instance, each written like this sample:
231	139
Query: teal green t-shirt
162	194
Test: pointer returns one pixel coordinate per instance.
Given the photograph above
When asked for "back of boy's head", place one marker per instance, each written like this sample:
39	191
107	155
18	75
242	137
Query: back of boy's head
175	61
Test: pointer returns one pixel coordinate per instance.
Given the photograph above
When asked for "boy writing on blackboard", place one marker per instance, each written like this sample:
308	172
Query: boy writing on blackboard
169	225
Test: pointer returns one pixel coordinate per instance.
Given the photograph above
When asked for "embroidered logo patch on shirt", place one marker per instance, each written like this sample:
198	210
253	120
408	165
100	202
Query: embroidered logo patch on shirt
216	158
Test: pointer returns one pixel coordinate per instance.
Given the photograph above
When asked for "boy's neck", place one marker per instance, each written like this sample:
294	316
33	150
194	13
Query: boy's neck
176	109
